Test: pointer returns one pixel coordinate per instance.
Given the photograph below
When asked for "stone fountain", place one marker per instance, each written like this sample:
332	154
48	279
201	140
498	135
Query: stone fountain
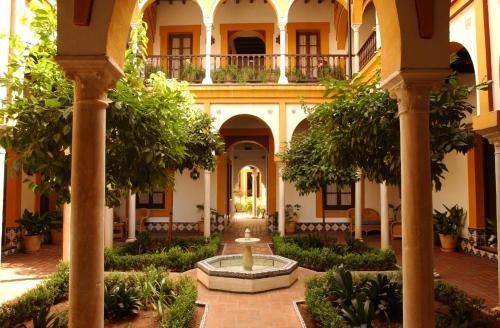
247	272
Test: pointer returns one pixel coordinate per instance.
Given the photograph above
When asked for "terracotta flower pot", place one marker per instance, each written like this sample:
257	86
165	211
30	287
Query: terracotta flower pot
448	242
290	228
201	227
56	236
32	243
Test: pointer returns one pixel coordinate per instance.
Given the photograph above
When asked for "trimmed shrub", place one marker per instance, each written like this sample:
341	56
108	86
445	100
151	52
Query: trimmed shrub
181	311
175	258
362	258
321	309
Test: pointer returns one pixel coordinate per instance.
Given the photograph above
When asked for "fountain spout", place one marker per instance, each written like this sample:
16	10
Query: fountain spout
247	242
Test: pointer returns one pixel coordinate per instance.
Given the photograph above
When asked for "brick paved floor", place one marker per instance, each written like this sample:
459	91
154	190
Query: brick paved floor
21	272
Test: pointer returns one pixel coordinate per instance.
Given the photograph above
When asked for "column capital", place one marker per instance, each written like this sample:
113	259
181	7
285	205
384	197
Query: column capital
209	25
282	25
355	27
411	87
493	136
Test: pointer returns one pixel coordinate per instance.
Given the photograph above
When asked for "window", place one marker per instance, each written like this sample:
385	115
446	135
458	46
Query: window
154	200
336	198
308	49
180	47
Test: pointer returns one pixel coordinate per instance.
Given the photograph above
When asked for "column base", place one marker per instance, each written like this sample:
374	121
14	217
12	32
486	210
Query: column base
282	79
207	80
130	240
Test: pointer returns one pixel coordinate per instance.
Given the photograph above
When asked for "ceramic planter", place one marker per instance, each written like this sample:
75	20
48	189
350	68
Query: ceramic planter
56	236
32	243
448	242
290	228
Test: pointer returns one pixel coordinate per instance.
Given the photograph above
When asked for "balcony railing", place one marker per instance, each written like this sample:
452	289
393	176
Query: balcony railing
367	50
250	68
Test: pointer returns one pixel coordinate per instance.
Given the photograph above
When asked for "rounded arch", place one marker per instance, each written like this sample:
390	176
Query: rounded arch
217	3
146	3
249	141
301	127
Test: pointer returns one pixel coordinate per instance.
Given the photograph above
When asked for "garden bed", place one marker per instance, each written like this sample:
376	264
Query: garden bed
179	255
340	299
313	253
144	299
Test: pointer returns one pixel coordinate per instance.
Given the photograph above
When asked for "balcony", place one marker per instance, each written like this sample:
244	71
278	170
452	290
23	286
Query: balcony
250	68
367	50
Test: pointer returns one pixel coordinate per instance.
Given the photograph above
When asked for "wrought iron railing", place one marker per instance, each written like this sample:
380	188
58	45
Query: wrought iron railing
314	68
249	68
367	50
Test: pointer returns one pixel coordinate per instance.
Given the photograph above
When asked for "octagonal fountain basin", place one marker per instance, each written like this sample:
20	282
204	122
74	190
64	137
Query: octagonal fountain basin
227	273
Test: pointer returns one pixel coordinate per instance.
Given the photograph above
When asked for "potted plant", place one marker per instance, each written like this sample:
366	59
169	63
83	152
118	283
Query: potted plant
54	220
33	227
291	213
448	225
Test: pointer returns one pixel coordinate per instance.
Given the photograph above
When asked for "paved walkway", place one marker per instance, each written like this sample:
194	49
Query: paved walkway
21	272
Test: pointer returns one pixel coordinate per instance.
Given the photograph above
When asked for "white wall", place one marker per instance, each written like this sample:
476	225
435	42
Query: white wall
455	185
188	193
494	10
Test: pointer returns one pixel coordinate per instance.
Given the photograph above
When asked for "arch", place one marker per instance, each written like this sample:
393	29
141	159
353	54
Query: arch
291	2
146	3
217	3
301	127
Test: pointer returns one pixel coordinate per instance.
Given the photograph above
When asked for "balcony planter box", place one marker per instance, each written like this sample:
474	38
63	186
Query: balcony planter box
32	243
448	243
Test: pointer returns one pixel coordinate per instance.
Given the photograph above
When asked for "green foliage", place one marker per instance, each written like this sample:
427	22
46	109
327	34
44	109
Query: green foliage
181	312
192	72
450	221
291	212
53	290
308	167
54	219
322	311
359	127
174	258
32	223
43	319
121	301
323	258
152	126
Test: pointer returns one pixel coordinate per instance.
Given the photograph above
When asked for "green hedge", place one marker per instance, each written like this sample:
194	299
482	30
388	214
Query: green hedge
53	290
324	258
175	258
321	309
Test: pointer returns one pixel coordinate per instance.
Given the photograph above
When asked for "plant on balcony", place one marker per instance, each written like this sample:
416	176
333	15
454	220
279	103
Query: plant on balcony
149	129
330	72
192	72
296	75
448	224
268	75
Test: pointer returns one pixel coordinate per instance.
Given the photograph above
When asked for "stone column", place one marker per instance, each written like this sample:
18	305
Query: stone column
358	211
2	184
131	218
281	200
412	90
283	79
206	205
355	48
378	39
494	138
66	245
93	75
254	193
108	227
208	51
385	242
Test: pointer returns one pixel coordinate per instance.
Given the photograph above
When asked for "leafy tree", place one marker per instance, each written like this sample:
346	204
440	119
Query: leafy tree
360	128
149	129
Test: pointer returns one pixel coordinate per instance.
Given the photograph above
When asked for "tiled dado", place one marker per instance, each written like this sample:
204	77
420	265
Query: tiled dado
311	226
218	224
472	245
12	241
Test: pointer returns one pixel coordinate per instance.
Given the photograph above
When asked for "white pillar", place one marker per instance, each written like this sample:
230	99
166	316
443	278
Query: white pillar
66	231
281	204
355	47
358	212
208	52
282	79
384	218
2	184
108	227
378	40
254	193
206	205
494	138
131	217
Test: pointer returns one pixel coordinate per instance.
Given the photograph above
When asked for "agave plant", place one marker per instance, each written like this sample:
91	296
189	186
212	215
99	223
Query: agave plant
121	301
